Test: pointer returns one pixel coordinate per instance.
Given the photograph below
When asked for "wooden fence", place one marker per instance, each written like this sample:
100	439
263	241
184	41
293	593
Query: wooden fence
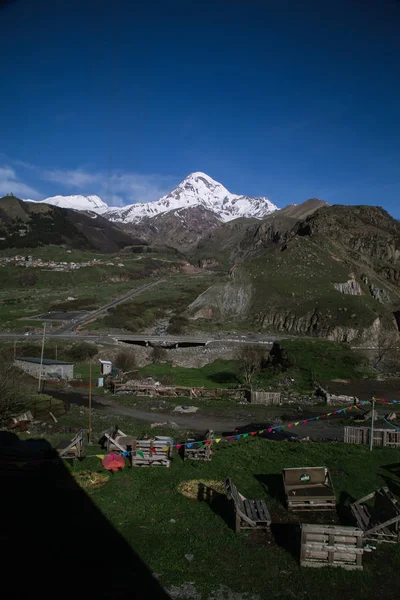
267	398
137	389
389	438
331	546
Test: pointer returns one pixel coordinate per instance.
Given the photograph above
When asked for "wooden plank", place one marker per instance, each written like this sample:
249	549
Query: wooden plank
263	511
250	510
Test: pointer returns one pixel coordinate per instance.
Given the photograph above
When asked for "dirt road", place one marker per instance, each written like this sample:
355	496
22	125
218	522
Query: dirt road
327	429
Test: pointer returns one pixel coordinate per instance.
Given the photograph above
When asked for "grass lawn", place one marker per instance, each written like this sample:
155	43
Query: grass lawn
141	503
220	373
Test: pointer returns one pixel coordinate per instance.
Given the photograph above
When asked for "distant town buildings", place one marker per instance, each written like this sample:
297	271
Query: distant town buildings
30	261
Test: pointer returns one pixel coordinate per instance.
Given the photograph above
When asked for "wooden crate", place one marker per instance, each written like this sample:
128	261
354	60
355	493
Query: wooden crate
389	438
151	453
309	488
378	515
331	546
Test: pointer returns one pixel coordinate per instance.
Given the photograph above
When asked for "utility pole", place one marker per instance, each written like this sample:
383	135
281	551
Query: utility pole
41	358
371	434
90	401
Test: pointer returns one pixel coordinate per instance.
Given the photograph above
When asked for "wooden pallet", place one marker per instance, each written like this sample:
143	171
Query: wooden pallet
199	450
309	489
249	514
331	546
141	453
73	448
380	519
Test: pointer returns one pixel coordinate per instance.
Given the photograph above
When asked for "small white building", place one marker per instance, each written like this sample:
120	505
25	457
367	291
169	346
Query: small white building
46	368
105	366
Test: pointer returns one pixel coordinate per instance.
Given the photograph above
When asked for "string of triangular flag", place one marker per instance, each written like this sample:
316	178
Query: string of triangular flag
201	444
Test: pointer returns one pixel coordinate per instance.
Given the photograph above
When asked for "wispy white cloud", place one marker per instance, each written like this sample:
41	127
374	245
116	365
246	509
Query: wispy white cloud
117	188
71	178
11	183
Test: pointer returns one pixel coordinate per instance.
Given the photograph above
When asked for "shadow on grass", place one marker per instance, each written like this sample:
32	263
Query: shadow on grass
288	537
343	510
218	503
224	377
273	485
393	480
68	543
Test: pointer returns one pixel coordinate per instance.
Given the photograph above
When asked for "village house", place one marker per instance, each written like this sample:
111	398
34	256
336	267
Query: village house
48	367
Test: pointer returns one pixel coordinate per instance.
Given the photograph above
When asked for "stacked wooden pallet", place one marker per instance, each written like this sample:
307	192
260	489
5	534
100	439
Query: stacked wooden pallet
331	546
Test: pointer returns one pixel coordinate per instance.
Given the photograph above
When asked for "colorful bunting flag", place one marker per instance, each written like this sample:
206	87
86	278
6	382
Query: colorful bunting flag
245	435
217	440
253	432
297	423
189	445
100	456
178	446
140	453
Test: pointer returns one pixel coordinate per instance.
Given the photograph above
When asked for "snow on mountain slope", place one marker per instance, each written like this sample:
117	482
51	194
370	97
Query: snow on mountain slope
92	203
198	189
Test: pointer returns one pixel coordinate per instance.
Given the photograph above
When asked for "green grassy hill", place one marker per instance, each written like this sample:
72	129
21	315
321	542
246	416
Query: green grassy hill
335	274
29	225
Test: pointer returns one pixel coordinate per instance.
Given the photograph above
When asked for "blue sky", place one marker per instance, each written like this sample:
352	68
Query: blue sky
289	99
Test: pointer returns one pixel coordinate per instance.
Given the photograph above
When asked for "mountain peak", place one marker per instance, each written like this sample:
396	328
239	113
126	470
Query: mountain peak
197	189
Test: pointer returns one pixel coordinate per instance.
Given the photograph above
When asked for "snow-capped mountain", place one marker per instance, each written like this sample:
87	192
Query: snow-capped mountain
92	203
198	189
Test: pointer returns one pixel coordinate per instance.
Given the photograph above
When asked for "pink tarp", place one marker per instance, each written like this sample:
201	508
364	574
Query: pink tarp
113	462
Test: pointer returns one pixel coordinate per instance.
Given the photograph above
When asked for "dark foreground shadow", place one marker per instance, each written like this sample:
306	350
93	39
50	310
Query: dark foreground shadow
343	510
287	536
218	503
55	541
273	484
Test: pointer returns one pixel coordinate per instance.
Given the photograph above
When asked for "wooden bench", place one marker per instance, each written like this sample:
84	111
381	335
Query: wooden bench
72	448
249	514
308	488
379	520
195	450
331	546
149	453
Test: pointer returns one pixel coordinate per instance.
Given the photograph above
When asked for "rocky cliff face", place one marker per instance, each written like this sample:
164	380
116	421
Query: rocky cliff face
333	274
180	229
